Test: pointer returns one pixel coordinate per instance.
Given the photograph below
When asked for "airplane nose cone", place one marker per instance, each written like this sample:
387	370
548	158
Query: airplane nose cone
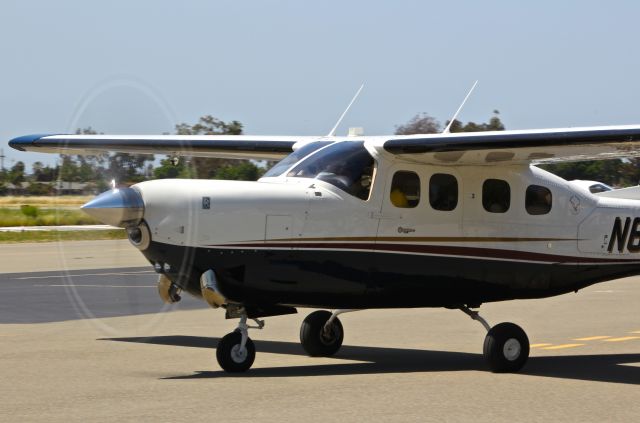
119	207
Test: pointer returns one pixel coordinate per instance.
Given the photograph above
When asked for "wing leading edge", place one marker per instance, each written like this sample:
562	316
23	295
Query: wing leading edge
518	147
219	146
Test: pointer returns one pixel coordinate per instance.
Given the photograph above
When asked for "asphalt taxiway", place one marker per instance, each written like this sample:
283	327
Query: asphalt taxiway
138	361
40	297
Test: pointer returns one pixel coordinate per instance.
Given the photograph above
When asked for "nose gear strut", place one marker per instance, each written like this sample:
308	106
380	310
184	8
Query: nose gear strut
235	351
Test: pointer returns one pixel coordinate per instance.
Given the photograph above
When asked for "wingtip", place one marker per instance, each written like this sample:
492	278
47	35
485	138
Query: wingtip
20	143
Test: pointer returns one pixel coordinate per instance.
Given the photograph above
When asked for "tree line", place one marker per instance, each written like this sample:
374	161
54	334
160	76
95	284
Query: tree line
132	168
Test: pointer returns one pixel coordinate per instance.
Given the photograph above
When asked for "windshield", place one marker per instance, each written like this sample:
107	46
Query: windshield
295	157
347	165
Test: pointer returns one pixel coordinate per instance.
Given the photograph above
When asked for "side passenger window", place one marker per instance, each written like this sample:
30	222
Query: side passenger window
537	200
496	195
405	189
443	192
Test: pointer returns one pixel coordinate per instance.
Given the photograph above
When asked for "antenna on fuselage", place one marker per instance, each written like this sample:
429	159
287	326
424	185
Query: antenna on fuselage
333	131
455	115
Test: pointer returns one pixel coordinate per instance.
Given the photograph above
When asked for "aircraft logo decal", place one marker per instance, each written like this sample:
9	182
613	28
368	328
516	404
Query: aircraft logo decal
575	204
402	230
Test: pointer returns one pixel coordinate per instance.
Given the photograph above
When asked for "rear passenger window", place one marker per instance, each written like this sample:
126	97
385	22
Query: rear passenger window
443	191
596	188
537	200
405	189
496	195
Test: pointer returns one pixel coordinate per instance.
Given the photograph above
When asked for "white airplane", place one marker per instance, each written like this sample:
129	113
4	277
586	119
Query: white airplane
362	222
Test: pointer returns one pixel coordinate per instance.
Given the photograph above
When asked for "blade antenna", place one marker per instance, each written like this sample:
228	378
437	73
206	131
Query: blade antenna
332	133
455	115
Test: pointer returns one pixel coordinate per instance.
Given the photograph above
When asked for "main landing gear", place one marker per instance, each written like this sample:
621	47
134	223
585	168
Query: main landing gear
321	333
506	346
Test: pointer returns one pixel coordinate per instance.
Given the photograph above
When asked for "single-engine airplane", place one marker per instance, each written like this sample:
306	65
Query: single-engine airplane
449	220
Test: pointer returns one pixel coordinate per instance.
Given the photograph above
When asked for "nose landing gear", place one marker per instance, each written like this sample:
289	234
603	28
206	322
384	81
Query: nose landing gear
235	351
506	346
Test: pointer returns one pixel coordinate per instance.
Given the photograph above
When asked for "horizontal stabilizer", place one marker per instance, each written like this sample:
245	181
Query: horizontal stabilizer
630	193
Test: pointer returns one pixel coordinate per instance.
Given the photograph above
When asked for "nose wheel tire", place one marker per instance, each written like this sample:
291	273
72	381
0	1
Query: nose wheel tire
318	340
506	348
231	356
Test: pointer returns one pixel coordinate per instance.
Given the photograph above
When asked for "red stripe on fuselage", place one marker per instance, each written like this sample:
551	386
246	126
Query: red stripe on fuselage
471	252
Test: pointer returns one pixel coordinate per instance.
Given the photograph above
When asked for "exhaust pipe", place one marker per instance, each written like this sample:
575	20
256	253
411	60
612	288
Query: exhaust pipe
210	291
169	291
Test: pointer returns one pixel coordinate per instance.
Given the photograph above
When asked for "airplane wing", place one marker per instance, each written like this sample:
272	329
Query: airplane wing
518	147
219	146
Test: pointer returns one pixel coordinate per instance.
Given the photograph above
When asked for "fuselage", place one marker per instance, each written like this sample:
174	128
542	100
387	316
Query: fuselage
460	235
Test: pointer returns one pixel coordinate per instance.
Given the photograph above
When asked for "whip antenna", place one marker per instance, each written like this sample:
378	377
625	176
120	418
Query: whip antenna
455	115
333	131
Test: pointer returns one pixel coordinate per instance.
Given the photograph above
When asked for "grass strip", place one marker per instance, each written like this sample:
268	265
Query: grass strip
51	236
45	201
45	217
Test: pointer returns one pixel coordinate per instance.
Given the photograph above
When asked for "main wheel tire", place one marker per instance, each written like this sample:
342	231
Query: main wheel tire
506	348
229	356
313	338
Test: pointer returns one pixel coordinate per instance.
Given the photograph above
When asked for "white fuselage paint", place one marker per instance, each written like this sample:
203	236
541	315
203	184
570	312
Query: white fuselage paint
284	212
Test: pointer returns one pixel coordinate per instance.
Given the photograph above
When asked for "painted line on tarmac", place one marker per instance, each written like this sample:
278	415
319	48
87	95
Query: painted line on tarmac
592	338
71	285
603	338
86	274
622	339
563	346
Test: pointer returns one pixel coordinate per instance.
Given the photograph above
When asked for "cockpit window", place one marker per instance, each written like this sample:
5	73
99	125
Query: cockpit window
295	157
347	165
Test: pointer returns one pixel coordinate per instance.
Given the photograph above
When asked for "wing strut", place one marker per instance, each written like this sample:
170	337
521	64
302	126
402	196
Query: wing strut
455	115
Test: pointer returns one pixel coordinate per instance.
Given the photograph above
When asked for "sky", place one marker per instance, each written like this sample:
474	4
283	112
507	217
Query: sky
291	67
